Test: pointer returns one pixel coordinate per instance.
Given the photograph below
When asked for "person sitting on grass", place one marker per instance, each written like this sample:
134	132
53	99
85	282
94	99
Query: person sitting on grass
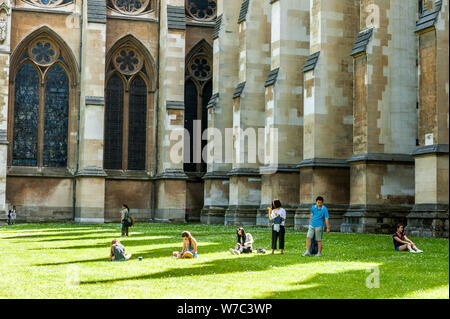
118	251
319	215
244	243
402	243
189	247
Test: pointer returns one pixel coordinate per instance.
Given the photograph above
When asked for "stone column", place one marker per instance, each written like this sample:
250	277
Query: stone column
5	32
170	178
385	117
249	112
328	109
90	177
220	111
429	216
284	107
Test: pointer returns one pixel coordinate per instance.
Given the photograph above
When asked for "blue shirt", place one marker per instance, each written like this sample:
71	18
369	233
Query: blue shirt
319	216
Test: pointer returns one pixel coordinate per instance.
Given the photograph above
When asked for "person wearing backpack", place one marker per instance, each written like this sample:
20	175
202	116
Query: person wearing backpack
125	219
277	215
319	217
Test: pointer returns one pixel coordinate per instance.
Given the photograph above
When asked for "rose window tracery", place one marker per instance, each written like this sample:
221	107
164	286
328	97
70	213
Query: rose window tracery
48	3
43	52
127	61
201	9
130	6
200	68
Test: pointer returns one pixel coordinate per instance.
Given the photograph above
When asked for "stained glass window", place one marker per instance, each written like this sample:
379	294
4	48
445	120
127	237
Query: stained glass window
56	118
114	123
26	116
190	114
137	124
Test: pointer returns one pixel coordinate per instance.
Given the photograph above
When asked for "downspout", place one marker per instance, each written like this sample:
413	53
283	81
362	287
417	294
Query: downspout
78	114
156	117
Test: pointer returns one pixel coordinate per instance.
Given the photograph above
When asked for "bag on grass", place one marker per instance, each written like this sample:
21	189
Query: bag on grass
314	246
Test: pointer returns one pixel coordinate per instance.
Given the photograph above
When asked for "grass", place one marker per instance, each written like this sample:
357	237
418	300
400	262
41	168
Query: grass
71	261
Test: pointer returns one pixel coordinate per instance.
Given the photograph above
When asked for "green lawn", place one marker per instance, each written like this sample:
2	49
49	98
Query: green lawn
71	261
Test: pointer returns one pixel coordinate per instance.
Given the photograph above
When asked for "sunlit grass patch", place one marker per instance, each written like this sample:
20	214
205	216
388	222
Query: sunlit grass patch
71	261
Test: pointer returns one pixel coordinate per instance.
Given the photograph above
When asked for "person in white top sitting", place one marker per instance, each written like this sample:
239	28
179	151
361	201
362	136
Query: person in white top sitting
244	243
277	216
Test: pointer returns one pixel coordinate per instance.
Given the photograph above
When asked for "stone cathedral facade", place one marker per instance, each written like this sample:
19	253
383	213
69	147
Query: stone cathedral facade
104	102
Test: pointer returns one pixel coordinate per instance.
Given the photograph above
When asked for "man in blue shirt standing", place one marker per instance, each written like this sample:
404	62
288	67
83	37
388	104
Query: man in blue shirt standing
319	215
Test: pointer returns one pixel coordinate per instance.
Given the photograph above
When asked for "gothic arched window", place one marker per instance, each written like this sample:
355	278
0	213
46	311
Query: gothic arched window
203	10
41	103
198	92
128	97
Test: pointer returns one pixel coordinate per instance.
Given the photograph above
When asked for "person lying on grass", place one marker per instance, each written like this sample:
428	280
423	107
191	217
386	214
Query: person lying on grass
402	243
189	247
118	251
244	243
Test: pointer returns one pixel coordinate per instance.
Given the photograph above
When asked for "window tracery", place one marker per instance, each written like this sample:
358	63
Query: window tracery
204	10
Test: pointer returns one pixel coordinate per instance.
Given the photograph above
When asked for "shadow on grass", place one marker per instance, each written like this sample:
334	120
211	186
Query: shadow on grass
215	267
148	254
349	284
392	284
62	234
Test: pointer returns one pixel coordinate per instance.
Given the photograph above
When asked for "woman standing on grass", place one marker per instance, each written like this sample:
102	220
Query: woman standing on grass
402	243
189	247
125	219
277	215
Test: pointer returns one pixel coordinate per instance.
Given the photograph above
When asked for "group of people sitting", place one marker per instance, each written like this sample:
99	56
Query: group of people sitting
277	215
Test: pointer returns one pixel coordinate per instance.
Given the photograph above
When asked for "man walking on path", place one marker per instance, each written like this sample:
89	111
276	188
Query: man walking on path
319	216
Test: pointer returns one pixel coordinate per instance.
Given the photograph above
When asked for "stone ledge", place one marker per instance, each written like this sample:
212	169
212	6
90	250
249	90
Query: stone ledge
43	10
175	105
91	172
244	172
324	162
127	175
132	18
172	174
22	171
216	175
94	100
279	168
381	157
431	149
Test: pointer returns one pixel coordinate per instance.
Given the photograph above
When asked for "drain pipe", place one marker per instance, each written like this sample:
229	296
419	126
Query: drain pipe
78	114
157	117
